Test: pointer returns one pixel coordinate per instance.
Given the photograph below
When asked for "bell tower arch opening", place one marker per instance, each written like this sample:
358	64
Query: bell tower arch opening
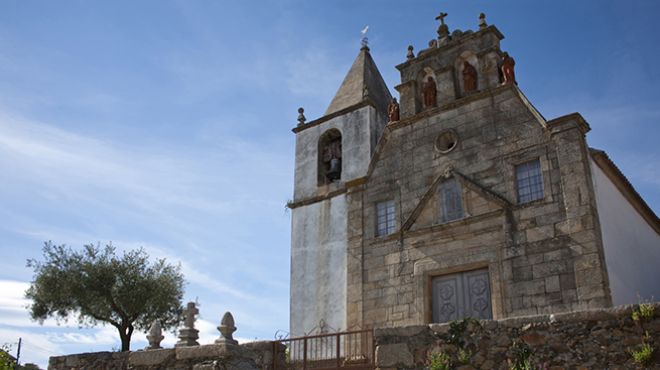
329	157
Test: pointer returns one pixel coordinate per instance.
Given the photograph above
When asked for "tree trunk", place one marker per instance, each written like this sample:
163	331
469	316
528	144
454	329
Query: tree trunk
125	333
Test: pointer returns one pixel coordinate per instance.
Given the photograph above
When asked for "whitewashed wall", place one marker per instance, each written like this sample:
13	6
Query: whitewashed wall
632	247
319	230
318	266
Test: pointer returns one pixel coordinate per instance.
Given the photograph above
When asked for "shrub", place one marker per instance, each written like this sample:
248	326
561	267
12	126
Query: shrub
439	361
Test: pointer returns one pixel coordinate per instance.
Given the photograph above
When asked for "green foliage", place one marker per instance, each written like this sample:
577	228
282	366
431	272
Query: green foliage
644	312
522	357
464	356
457	330
97	286
6	361
644	355
439	361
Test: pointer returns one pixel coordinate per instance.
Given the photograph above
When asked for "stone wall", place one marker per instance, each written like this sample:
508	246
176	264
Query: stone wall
248	356
594	339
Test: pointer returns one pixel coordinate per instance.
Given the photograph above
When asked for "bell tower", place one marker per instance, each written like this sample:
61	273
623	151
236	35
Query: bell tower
332	154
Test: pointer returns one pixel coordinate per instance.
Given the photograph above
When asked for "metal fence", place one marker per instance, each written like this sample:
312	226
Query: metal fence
345	350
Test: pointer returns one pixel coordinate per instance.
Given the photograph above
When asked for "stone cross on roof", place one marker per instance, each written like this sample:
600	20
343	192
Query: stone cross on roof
441	18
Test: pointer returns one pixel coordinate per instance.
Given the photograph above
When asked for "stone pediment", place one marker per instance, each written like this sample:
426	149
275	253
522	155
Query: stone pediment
476	200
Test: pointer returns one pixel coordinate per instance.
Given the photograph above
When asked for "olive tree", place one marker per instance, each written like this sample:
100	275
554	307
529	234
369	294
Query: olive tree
97	286
6	361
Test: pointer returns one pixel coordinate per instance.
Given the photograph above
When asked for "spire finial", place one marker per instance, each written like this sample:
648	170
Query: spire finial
301	116
364	41
482	21
411	53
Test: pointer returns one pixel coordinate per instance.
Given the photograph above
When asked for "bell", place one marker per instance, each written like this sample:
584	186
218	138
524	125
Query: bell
334	172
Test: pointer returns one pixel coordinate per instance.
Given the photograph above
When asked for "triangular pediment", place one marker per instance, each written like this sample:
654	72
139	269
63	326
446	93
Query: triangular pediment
475	200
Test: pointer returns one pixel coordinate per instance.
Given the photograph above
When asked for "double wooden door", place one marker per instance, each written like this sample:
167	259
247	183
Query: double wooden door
464	294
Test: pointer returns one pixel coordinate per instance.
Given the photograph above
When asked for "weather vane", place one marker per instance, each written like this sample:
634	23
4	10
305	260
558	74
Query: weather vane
364	41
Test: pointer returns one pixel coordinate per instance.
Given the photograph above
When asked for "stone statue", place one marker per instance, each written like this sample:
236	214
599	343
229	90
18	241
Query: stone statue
430	93
393	110
155	335
226	328
508	73
469	77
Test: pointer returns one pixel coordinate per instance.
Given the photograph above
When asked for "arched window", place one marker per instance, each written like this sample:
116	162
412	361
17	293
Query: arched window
329	161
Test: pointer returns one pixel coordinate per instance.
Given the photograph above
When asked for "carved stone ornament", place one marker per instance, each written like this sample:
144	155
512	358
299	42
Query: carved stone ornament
188	335
227	329
411	53
155	335
482	21
301	116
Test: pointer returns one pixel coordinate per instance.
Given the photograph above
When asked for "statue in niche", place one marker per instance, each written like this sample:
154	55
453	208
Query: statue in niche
393	110
332	159
469	77
508	73
430	93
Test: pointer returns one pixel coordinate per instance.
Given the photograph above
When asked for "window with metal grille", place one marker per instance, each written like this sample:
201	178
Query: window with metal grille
452	200
529	181
385	218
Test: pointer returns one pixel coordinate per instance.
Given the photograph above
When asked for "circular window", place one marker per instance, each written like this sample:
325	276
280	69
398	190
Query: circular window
446	141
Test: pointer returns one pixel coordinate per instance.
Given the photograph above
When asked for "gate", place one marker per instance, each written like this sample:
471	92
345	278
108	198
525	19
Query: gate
346	350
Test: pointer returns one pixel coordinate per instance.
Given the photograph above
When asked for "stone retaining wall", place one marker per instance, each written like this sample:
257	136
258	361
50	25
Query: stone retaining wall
595	339
248	356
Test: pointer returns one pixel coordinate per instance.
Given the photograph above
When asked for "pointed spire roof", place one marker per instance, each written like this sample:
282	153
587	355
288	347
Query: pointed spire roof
363	82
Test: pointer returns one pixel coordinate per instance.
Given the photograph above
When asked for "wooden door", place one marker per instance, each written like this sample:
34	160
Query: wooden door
464	294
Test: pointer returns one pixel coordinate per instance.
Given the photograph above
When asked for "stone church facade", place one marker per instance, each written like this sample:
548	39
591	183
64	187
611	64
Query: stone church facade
460	200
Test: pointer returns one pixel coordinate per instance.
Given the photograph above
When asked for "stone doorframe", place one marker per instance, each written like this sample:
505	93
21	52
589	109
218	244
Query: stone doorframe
427	269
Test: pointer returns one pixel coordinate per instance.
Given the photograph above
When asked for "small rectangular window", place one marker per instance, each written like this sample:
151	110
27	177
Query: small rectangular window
385	218
452	200
529	181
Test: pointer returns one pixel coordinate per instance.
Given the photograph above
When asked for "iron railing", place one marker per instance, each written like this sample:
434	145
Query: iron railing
346	350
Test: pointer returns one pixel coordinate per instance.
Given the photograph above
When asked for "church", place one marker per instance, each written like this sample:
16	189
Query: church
459	199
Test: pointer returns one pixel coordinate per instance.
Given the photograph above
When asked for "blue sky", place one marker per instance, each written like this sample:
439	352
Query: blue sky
166	124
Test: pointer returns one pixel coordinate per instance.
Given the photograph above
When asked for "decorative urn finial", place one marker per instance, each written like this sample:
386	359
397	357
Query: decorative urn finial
411	53
482	21
155	335
301	116
226	328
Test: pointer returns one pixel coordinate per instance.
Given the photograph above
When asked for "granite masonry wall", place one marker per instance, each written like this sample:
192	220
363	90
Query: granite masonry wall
592	339
248	356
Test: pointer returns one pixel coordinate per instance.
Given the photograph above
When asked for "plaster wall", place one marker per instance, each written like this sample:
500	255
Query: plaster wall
359	130
632	247
318	266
